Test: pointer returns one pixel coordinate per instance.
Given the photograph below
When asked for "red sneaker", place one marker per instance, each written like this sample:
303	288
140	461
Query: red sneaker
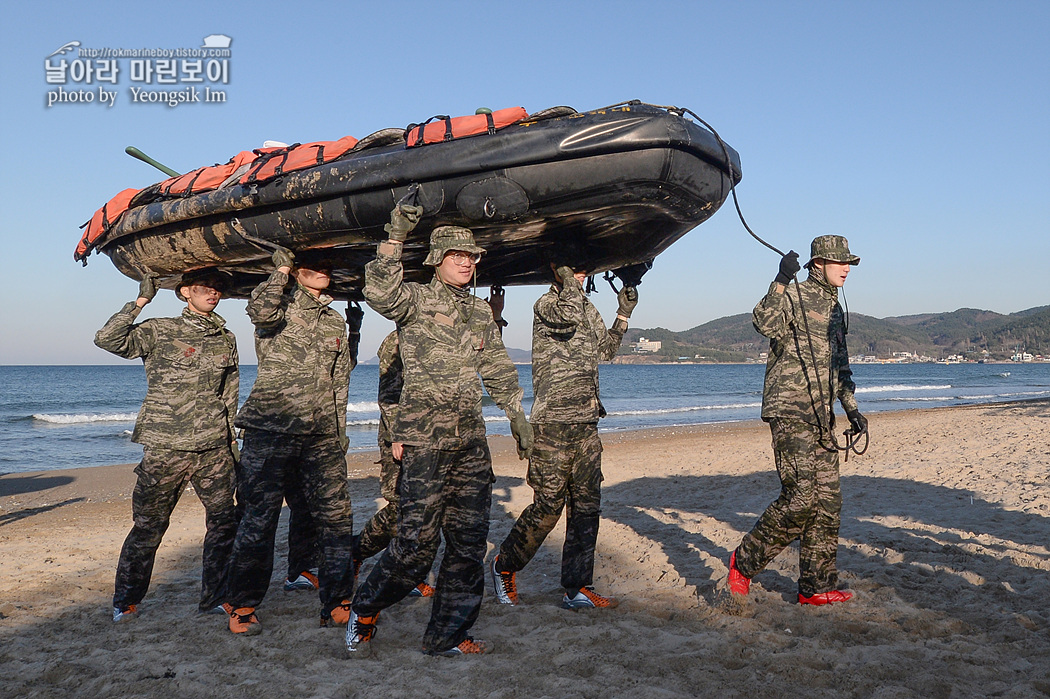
826	597
738	584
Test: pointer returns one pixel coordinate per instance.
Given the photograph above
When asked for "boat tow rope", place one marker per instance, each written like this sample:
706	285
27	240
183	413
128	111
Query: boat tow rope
825	418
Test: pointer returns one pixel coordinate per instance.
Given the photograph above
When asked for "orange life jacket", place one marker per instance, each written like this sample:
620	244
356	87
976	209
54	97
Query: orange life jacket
443	128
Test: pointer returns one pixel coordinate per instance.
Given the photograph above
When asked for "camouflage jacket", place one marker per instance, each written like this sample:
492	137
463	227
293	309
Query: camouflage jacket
191	376
568	340
304	362
447	339
795	387
391	380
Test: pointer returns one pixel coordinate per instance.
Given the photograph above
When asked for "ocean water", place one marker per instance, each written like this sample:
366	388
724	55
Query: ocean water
55	417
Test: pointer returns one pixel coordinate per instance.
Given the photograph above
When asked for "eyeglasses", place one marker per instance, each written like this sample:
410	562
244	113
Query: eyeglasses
464	258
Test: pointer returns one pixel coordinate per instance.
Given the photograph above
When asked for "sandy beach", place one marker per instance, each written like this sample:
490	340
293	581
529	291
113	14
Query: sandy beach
945	542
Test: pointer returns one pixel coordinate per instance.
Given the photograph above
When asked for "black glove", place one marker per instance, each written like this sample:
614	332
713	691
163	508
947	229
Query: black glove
628	298
148	287
857	422
522	431
789	267
403	219
283	257
354	315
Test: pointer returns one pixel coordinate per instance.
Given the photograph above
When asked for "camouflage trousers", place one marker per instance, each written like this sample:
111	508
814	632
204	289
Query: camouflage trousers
565	471
303	550
303	553
380	529
317	463
162	478
808	510
442	494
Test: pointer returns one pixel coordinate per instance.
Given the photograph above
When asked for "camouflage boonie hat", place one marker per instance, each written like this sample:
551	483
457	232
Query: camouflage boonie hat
211	278
831	247
445	238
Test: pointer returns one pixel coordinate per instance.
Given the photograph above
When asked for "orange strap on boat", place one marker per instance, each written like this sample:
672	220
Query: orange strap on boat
102	221
441	128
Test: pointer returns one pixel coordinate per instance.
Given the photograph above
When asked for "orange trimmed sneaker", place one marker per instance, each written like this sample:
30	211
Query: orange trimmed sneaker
360	630
305	581
128	613
826	597
504	585
587	598
422	590
468	646
738	584
338	616
244	621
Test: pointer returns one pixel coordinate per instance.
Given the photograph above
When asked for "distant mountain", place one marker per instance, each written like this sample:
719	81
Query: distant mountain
968	331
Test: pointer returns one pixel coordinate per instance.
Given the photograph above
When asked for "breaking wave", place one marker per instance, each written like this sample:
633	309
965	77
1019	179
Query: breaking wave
84	418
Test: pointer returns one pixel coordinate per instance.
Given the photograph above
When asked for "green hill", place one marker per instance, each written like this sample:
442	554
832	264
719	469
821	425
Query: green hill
970	332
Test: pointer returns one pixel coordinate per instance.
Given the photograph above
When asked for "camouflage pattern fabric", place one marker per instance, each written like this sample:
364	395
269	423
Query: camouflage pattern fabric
303	550
318	464
162	477
565	471
808	510
295	433
442	493
304	362
191	374
380	528
568	340
303	534
795	387
391	381
447	339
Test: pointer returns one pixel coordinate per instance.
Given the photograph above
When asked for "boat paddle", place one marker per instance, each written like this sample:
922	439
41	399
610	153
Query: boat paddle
136	153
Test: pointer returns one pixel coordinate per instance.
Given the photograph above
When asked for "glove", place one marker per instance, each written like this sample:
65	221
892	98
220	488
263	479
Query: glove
789	267
857	422
283	257
403	219
628	298
236	452
496	301
148	287
354	315
522	431
565	274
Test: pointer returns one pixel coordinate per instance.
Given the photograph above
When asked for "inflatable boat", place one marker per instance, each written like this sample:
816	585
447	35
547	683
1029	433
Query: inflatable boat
620	184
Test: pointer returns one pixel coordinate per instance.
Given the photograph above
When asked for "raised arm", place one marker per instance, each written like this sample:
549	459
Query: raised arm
267	305
385	289
120	335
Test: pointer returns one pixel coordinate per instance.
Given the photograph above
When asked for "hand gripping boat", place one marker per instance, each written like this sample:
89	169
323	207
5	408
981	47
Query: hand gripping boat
618	185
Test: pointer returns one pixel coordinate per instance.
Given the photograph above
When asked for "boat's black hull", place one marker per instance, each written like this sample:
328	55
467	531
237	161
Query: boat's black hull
621	183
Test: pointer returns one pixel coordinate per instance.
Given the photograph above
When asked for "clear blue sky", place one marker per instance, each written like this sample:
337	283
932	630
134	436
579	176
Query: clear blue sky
920	130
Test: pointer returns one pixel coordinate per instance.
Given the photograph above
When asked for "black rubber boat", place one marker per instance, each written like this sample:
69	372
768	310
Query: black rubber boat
621	184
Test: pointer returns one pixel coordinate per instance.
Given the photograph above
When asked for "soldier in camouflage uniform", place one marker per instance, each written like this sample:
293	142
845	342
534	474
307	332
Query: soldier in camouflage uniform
294	421
568	340
808	369
380	529
447	339
185	427
303	550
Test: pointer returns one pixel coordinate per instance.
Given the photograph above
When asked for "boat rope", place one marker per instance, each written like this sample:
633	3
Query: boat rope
824	420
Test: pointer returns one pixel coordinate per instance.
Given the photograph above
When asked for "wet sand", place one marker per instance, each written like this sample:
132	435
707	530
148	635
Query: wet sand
944	541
